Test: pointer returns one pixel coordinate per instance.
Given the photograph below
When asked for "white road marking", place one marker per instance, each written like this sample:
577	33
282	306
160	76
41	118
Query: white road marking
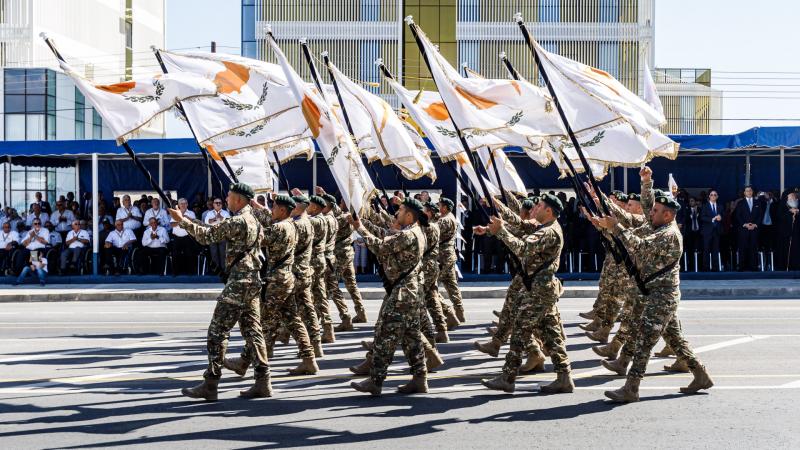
140	342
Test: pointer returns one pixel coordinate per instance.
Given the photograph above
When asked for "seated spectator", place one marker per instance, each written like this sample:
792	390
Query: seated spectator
213	217
62	218
36	263
116	253
184	248
38	238
75	247
103	216
36	214
85	226
55	237
15	220
153	252
76	210
9	240
158	212
130	215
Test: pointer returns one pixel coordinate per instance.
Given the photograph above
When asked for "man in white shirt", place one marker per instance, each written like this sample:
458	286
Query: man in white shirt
156	211
129	214
102	216
9	240
74	247
55	237
62	218
38	238
37	263
117	249
213	217
154	248
184	248
36	214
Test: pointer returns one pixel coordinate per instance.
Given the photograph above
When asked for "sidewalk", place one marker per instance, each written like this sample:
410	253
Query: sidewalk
781	288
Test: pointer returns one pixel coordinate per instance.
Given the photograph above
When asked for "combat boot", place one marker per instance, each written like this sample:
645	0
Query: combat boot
535	363
367	345
417	385
363	368
500	383
261	389
207	390
346	325
432	359
678	366
284	335
665	352
610	350
588	315
307	367
618	366
361	315
327	334
562	385
318	353
627	393
601	335
591	326
442	337
237	365
491	330
701	381
367	386
452	320
491	348
459	309
496	313
270	352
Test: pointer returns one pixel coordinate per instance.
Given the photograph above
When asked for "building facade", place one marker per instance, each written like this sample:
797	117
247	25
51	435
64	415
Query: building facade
691	105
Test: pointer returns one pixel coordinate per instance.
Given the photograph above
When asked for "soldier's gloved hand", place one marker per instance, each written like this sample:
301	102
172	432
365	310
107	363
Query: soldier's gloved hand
297	191
607	222
319	191
355	223
646	173
495	224
176	214
479	230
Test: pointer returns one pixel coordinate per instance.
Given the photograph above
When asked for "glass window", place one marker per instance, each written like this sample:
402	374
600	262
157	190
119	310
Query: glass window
36	81
35	124
15	104
248	23
51	103
249	49
35	179
80	130
128	34
51	127
97	125
14	81
35	103
18	201
51	83
15	127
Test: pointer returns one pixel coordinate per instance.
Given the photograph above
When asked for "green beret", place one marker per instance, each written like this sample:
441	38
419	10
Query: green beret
447	202
329	198
316	199
284	200
416	206
659	193
669	202
617	193
553	202
301	199
243	189
430	205
635	197
535	199
528	203
623	197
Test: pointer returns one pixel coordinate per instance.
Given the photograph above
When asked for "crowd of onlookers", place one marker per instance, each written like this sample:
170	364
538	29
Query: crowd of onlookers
753	232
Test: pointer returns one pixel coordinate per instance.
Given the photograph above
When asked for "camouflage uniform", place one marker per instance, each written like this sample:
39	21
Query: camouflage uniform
319	265
448	229
303	276
345	267
399	317
611	291
537	307
430	271
239	300
329	277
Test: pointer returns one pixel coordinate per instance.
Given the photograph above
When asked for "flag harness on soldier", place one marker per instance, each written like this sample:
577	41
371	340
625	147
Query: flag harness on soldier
239	257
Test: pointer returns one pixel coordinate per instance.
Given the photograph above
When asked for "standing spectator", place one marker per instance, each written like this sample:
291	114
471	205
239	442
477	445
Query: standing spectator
184	248
75	247
36	263
154	248
62	218
787	248
215	216
158	212
38	238
9	240
360	258
36	214
102	216
711	229
766	230
129	214
14	219
43	204
86	204
115	205
749	213
693	241
117	249
70	197
76	210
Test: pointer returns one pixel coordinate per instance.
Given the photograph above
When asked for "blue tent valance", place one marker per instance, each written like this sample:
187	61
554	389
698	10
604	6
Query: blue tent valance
85	148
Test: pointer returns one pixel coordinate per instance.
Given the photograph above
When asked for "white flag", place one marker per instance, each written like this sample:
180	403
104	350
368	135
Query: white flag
651	94
336	146
391	138
251	167
128	106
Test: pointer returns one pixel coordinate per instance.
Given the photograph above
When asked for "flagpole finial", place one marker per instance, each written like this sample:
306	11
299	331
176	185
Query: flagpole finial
44	35
518	17
409	19
464	64
502	55
324	54
267	28
379	62
303	41
154	48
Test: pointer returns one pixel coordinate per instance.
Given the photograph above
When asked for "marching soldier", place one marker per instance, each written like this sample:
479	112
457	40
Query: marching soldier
399	320
319	265
430	270
448	230
330	280
239	300
539	254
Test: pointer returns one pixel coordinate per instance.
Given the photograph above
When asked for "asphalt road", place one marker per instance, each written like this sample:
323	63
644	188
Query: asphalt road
108	374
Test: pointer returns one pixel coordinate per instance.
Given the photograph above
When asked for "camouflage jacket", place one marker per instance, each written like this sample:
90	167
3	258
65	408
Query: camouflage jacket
320	226
305	244
448	229
241	231
517	225
398	251
654	251
431	256
540	250
343	240
330	235
280	239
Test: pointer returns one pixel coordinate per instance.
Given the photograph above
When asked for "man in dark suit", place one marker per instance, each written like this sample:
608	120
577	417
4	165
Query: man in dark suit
692	241
711	228
749	213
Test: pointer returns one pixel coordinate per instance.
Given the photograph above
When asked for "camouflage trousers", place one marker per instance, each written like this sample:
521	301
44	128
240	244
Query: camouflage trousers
304	300
449	279
399	323
611	296
238	302
659	318
538	309
631	309
319	291
430	294
505	322
277	308
345	269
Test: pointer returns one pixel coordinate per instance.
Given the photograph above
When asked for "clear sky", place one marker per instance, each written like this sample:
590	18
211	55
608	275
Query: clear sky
750	46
